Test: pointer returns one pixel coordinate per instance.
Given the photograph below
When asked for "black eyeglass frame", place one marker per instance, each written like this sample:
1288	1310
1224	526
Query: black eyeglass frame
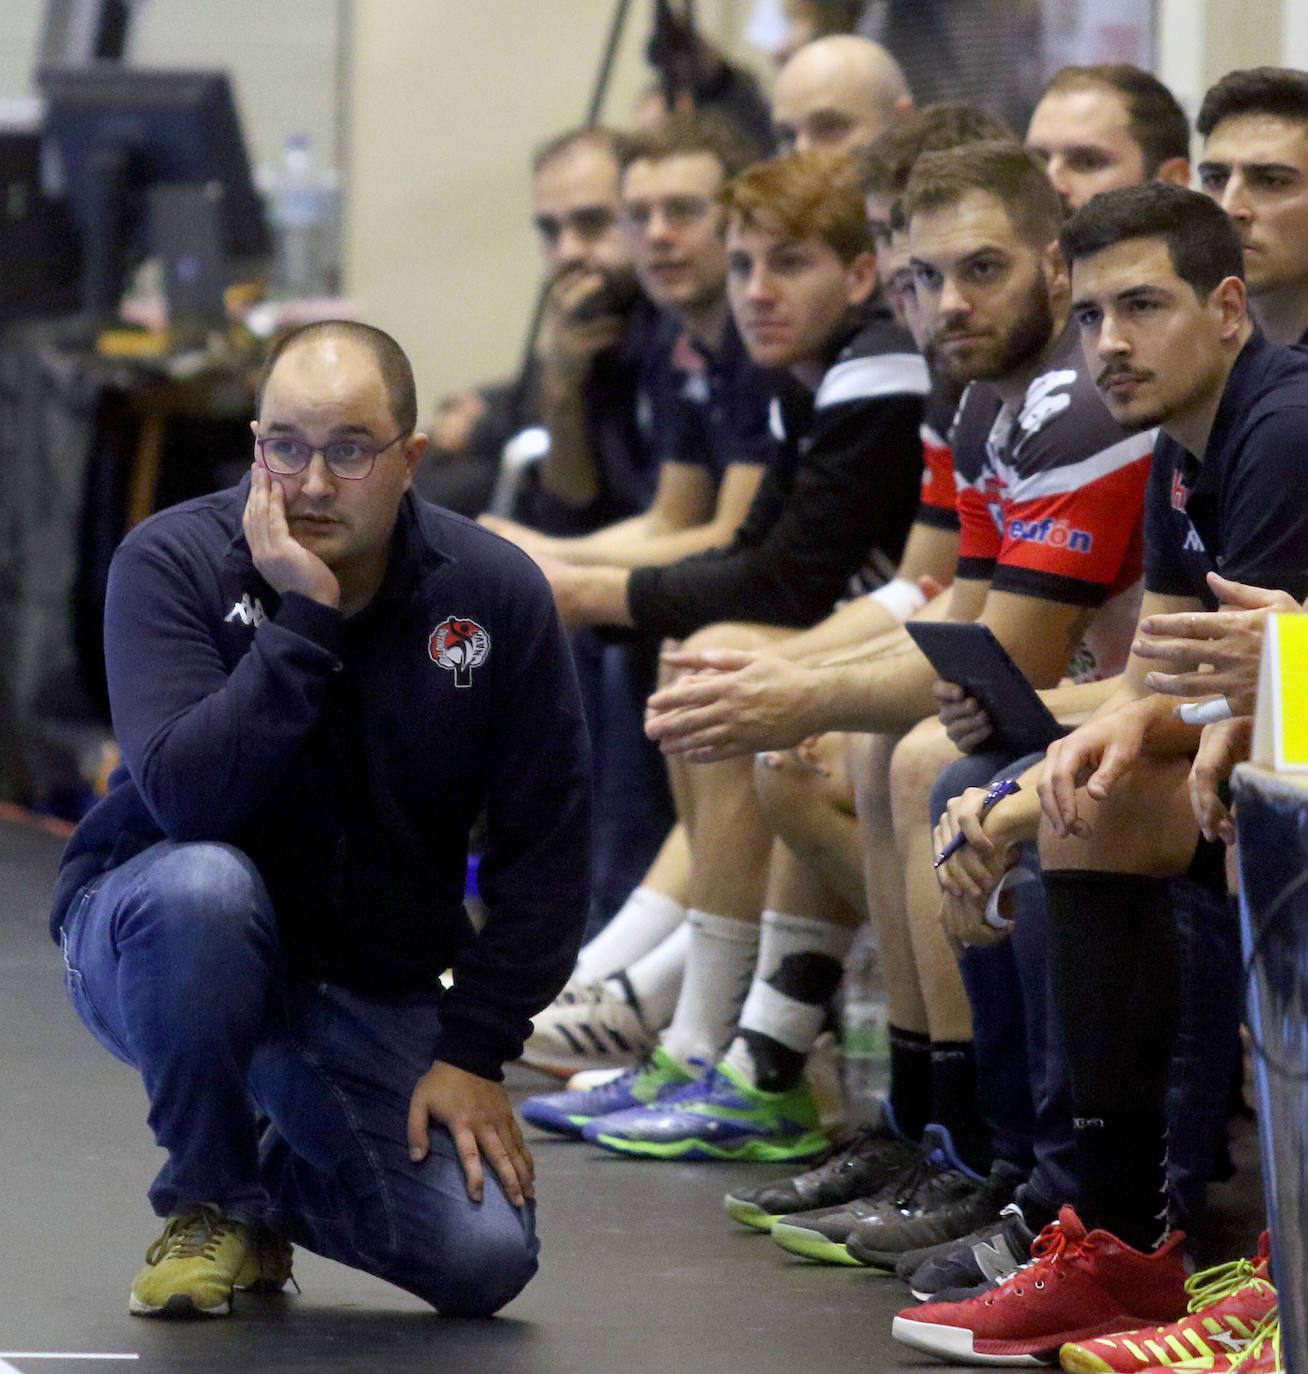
325	449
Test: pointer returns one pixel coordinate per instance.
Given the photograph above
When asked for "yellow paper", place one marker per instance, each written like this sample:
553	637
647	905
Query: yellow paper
1281	721
1292	684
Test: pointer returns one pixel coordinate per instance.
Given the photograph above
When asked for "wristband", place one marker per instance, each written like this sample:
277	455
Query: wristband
900	597
1015	877
995	793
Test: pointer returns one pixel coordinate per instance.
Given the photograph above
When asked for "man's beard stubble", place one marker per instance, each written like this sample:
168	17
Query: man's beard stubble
1025	341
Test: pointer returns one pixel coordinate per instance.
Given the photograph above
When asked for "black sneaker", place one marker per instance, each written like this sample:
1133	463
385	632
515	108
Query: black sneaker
856	1167
822	1234
987	1257
938	1200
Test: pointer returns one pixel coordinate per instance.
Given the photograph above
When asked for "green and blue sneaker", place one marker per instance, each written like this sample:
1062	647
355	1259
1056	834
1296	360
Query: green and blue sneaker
566	1113
721	1117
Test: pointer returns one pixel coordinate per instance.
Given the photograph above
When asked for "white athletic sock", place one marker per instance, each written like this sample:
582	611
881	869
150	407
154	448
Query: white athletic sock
640	925
798	971
719	965
655	978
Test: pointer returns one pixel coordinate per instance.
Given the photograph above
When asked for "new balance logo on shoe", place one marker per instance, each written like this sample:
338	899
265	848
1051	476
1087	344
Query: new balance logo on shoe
995	1260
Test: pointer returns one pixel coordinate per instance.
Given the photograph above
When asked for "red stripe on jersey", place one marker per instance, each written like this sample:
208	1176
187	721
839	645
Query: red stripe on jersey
979	529
1079	534
938	487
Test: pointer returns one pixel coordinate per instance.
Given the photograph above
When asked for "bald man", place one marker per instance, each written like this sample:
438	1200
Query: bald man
838	93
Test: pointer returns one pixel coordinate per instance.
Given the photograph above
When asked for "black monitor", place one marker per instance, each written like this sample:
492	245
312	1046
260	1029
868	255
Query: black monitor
116	132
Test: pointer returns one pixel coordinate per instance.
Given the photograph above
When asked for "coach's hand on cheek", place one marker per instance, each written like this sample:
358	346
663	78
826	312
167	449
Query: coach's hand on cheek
285	565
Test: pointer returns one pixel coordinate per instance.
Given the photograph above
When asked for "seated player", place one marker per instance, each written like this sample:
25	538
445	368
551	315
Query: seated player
1160	301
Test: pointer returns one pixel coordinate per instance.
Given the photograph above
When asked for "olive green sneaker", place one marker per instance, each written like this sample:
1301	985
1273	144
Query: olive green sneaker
193	1267
272	1256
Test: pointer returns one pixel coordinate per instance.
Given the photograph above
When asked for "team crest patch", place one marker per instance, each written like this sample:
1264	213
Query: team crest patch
459	646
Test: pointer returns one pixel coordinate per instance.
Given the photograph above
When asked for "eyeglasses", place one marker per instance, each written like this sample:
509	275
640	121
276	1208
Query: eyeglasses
588	223
679	212
348	458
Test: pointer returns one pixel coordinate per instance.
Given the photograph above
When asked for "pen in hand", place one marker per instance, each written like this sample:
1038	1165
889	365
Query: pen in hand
997	791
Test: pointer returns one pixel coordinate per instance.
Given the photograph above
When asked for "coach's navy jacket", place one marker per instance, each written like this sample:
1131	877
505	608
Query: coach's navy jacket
350	757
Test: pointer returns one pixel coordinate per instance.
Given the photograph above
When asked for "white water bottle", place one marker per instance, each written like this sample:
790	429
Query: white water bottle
301	206
865	1073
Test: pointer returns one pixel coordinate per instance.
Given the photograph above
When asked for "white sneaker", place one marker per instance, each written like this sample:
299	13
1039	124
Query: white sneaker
587	1079
596	1028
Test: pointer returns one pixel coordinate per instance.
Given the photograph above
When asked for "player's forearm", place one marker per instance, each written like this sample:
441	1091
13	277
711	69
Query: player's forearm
593	596
656	549
606	547
1075	702
888	693
850	626
568	470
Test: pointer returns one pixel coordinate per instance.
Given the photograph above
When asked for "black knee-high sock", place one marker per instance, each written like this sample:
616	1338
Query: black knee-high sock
910	1080
1113	966
954	1103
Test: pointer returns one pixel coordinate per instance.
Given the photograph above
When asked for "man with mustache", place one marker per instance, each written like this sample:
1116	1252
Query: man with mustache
319	683
1159	299
1032	444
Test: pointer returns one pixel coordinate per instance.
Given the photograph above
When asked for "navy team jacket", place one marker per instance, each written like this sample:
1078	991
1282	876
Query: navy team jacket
349	758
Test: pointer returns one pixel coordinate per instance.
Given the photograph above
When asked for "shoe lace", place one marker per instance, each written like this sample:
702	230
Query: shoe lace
1047	1252
1267	1330
191	1234
907	1186
1208	1285
845	1147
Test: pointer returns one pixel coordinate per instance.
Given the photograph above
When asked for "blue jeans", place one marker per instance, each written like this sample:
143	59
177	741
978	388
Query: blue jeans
285	1102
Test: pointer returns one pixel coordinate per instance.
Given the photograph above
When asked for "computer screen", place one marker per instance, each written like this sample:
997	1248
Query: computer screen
115	132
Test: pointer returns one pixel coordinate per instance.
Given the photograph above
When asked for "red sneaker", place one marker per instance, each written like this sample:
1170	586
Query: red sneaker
1227	1303
1078	1285
1261	1356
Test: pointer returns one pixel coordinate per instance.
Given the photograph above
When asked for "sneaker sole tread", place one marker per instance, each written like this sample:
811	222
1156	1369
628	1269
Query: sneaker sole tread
812	1245
749	1213
956	1344
179	1306
752	1152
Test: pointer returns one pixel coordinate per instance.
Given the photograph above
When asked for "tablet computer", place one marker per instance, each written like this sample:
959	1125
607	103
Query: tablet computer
970	655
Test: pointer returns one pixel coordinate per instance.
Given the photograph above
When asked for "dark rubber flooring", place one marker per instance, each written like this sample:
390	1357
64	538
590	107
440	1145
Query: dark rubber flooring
641	1271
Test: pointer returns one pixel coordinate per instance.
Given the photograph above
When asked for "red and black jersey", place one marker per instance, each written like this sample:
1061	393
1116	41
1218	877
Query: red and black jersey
939	504
1050	501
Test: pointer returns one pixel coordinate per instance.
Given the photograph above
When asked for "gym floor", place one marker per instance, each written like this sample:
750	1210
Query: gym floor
641	1270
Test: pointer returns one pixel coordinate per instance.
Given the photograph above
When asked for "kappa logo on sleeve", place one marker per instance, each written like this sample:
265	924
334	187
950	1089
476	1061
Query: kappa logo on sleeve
459	645
248	610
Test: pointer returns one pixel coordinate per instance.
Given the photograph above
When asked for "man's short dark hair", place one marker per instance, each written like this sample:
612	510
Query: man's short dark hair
1000	168
1154	118
1202	240
1279	91
688	132
884	165
585	135
392	363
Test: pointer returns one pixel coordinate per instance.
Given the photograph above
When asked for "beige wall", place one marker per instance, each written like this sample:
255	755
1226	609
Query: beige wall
449	97
1200	40
283	58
